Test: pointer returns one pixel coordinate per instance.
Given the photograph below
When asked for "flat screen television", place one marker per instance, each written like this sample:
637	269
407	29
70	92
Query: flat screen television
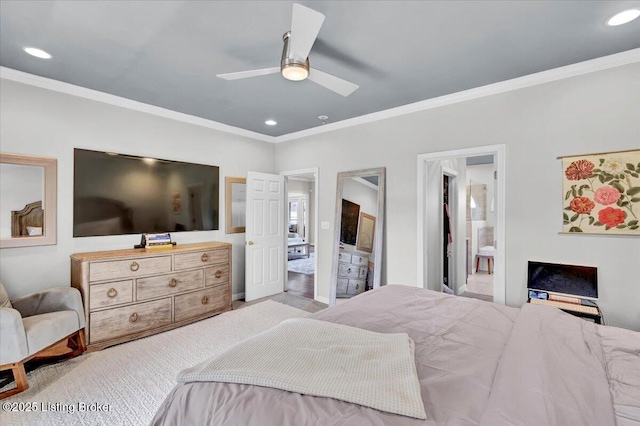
115	194
349	222
573	280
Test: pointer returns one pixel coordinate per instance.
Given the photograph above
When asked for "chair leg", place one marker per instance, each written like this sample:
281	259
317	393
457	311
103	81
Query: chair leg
477	263
20	376
77	343
489	265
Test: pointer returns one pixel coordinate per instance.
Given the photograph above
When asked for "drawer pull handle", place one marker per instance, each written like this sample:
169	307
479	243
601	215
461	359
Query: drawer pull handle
134	266
134	318
173	282
218	274
205	257
112	292
349	271
205	300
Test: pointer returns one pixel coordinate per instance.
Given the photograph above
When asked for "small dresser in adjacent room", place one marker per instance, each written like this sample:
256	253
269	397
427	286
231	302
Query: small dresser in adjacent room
352	274
135	293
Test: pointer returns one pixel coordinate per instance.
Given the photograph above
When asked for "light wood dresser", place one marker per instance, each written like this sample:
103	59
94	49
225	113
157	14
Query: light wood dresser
352	274
134	293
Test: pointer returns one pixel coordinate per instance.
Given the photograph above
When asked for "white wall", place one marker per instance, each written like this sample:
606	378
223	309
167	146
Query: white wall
36	121
591	113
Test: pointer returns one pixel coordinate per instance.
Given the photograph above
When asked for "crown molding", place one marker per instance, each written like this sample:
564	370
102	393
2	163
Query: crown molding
573	70
95	95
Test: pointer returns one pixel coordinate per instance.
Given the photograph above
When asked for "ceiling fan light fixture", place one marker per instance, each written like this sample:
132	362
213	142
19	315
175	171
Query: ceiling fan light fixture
295	71
290	68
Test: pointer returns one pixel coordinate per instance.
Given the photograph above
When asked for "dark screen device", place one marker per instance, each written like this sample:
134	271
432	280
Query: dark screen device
571	280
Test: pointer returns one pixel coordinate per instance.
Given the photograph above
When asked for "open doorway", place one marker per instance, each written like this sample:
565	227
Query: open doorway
439	260
480	226
301	223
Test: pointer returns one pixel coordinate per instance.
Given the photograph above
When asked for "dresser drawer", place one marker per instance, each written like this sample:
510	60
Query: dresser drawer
202	302
110	294
356	259
201	258
355	287
118	322
165	285
217	275
115	269
348	270
341	285
344	257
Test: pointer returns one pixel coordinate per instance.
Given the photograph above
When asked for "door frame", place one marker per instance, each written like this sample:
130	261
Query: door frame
316	222
499	156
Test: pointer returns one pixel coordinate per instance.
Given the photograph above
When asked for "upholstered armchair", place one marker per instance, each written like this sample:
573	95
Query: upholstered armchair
31	326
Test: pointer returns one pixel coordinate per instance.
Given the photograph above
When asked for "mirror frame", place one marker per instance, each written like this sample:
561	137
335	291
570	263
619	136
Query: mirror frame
229	228
49	231
377	262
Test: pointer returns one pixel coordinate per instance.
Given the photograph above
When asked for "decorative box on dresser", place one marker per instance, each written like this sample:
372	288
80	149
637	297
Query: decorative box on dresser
352	273
134	293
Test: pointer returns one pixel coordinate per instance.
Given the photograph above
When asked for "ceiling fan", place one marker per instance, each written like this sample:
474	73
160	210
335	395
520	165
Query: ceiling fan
294	66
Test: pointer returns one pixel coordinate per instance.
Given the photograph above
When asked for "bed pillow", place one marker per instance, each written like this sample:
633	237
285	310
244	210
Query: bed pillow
4	298
34	230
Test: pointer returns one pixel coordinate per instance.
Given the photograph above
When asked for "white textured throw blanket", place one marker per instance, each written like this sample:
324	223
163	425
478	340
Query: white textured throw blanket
324	359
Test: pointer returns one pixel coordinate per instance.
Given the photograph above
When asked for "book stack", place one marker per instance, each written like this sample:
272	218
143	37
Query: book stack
157	240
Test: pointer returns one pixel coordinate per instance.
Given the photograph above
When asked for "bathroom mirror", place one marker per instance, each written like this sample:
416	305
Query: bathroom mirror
236	199
28	200
357	241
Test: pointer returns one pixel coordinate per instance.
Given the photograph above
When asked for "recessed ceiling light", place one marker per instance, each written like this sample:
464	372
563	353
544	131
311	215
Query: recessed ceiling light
270	122
38	53
149	160
623	17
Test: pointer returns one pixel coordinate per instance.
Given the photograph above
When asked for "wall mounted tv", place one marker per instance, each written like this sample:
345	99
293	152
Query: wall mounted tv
574	280
115	194
349	222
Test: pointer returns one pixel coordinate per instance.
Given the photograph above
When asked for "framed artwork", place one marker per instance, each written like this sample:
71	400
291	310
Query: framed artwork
366	228
601	193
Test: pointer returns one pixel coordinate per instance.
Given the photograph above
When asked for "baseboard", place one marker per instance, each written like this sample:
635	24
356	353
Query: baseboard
461	290
323	299
237	296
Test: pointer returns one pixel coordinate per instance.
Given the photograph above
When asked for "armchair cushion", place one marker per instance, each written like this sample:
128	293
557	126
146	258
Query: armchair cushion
44	329
4	298
51	300
13	345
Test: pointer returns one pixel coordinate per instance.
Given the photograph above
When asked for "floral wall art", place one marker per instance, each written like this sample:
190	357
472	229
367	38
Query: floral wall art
602	193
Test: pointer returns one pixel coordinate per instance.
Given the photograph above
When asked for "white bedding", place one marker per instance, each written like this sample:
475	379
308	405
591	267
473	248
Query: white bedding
324	359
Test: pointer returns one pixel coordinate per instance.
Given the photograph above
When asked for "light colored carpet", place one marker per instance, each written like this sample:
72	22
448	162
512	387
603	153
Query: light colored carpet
133	379
303	265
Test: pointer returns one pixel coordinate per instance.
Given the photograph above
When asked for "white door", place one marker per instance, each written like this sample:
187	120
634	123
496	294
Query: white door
264	254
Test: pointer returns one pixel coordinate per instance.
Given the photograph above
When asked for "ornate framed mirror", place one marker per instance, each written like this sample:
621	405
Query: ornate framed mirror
235	204
28	200
358	233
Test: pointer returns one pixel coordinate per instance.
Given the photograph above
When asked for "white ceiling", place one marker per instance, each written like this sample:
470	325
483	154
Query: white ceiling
167	53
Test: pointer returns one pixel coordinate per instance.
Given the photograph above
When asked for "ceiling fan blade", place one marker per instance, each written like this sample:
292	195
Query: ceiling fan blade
305	26
246	74
331	82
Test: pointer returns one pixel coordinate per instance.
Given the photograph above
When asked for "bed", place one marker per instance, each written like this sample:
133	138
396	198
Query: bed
478	363
27	222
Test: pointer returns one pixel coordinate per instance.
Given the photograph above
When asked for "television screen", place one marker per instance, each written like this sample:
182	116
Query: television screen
349	222
116	194
580	281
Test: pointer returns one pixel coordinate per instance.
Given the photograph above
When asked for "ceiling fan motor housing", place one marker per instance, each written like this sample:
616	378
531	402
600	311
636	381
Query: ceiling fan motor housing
290	68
